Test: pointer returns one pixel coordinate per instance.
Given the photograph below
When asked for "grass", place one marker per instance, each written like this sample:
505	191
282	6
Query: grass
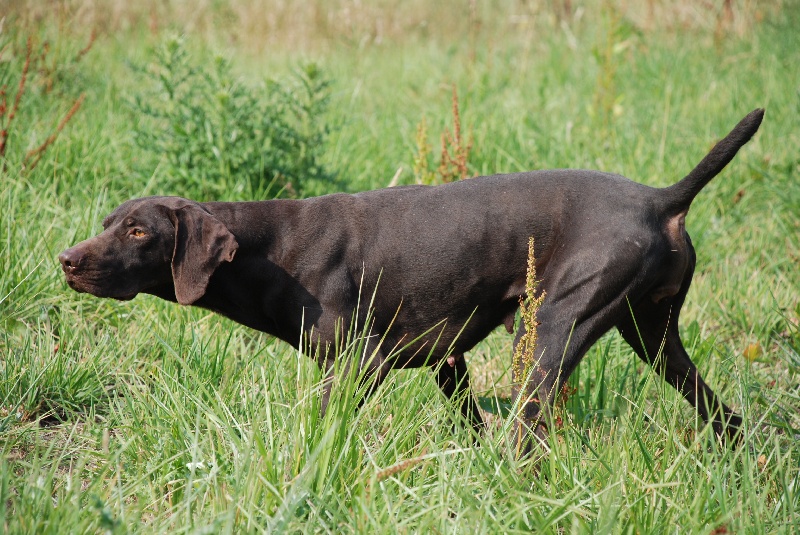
149	417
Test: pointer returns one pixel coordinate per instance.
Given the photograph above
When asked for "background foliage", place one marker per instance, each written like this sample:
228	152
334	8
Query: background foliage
217	137
145	416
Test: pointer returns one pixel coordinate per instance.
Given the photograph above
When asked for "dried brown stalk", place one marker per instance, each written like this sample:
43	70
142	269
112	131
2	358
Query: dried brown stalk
454	166
6	120
33	156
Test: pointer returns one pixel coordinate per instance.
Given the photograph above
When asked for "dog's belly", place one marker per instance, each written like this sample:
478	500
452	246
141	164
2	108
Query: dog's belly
428	329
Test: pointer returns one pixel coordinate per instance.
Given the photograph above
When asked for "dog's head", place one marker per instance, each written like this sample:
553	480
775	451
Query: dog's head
149	244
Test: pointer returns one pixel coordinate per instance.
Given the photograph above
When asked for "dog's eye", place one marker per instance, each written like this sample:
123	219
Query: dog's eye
138	233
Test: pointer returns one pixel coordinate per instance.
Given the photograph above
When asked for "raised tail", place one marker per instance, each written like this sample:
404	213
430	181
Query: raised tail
679	196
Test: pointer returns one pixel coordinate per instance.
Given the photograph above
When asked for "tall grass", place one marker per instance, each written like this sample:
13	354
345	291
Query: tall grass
149	417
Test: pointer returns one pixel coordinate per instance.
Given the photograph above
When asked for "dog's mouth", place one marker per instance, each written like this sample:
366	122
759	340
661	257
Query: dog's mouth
75	284
98	290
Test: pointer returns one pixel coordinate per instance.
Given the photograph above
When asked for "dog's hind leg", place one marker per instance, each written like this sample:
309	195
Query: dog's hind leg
453	378
652	331
585	297
561	344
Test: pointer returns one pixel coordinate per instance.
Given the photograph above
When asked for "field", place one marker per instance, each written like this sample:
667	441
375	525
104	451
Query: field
144	416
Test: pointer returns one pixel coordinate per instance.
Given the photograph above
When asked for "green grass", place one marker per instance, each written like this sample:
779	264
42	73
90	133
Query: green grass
149	417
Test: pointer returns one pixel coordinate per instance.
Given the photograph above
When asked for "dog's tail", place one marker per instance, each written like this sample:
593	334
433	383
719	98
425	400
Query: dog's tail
679	196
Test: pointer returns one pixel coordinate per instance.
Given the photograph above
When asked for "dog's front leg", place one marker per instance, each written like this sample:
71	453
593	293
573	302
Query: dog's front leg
453	378
370	372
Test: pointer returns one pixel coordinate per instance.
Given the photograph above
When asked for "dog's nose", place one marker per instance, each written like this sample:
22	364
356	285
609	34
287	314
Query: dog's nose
70	259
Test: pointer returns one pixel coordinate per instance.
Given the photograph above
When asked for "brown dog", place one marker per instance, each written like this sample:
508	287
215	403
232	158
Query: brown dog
451	261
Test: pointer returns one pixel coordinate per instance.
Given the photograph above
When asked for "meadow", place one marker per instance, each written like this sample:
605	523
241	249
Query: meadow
144	416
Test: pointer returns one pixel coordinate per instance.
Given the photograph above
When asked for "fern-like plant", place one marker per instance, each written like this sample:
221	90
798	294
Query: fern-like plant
211	136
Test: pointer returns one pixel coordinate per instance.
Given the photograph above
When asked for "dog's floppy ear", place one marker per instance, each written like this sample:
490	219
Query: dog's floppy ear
202	243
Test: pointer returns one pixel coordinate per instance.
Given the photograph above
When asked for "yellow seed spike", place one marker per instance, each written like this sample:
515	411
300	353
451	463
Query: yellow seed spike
529	305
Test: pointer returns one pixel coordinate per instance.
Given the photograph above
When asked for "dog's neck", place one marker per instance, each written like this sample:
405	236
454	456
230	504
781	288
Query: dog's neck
262	295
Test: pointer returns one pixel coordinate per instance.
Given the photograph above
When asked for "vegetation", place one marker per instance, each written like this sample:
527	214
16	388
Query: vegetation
219	138
145	416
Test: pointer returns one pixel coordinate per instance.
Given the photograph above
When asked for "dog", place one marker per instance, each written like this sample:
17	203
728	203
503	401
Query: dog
434	269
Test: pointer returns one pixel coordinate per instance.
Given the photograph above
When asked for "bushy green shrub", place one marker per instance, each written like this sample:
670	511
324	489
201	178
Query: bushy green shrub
206	134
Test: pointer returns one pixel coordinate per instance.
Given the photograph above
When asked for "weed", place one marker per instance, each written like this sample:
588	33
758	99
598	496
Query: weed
33	156
523	361
529	304
454	157
9	113
455	151
213	136
422	171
